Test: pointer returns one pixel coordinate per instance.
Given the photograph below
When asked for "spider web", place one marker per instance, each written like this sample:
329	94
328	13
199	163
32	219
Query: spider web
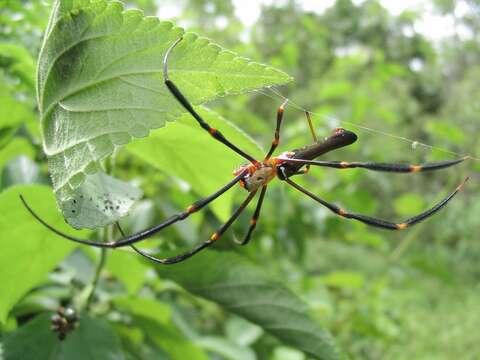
414	143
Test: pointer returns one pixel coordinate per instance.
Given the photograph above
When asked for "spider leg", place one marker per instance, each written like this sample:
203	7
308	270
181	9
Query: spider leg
253	220
120	229
186	104
276	137
143	234
379	222
303	171
215	237
310	125
397	168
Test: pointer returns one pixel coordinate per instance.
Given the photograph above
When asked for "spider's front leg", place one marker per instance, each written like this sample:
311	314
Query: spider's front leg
385	167
134	238
216	134
276	136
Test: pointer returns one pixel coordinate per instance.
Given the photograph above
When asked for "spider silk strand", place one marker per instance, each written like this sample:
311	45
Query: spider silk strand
414	143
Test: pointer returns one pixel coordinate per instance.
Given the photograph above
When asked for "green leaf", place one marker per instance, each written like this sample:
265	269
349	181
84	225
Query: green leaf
447	131
285	353
6	135
344	280
247	291
409	204
226	348
185	150
336	89
242	332
171	340
12	111
154	318
100	81
145	307
28	251
20	170
130	270
19	61
91	340
16	147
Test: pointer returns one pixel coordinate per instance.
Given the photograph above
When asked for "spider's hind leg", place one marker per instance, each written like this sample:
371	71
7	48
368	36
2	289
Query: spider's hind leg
372	221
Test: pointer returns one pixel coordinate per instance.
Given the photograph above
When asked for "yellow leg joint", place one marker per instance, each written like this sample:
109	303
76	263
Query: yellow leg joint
401	226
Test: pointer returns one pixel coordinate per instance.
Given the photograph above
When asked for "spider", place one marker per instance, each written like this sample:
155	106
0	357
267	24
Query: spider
256	175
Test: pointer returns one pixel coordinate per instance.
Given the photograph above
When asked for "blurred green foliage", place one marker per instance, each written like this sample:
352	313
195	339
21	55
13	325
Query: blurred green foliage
382	295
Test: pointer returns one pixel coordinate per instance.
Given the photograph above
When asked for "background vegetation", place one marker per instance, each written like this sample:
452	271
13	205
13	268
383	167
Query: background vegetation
382	295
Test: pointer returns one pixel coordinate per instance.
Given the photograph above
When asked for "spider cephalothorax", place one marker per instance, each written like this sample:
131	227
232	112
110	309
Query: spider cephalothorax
260	173
256	175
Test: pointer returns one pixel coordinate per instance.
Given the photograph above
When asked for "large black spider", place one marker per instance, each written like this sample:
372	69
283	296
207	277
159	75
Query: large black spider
257	174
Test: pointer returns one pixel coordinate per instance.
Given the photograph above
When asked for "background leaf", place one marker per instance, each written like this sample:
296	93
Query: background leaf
20	170
154	318
225	348
130	270
12	111
36	341
16	147
409	204
242	288
29	251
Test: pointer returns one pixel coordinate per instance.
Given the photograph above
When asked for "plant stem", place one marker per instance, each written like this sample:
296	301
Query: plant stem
107	236
98	270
